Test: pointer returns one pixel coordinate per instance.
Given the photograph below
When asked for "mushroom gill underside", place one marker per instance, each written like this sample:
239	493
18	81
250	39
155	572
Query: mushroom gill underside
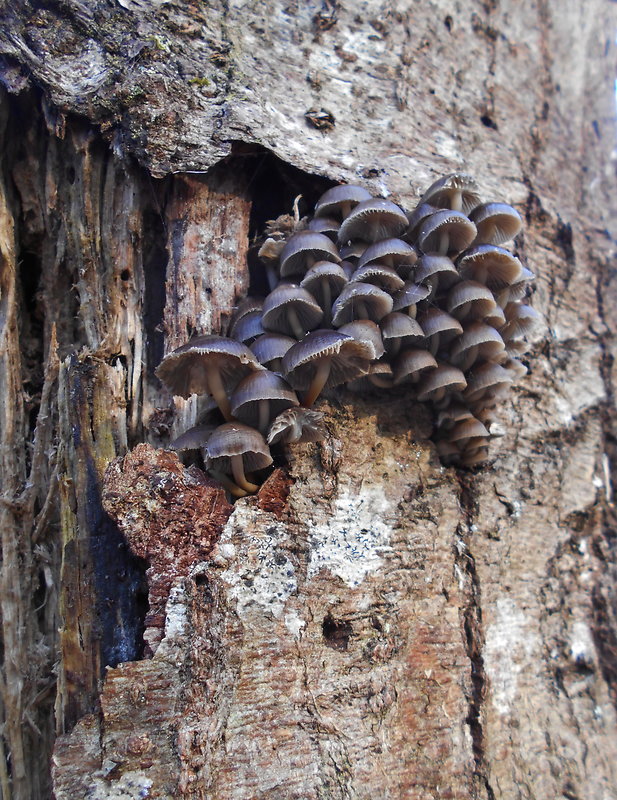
366	295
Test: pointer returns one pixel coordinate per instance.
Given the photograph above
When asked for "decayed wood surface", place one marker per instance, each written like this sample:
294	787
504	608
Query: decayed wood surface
372	625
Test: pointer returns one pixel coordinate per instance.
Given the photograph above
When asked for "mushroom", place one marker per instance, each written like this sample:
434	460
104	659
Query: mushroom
324	358
487	380
439	328
458	191
270	348
237	449
407	298
297	425
339	200
446	232
360	301
435	271
470	300
393	253
368	333
400	331
290	309
479	341
303	250
326	225
380	275
325	282
372	220
491	265
411	364
259	397
248	327
496	222
416	219
440	382
193	438
207	364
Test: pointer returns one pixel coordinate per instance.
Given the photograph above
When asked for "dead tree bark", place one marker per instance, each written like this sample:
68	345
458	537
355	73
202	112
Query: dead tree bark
371	624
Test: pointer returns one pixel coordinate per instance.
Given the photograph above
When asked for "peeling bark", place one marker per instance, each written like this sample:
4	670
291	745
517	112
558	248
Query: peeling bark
371	624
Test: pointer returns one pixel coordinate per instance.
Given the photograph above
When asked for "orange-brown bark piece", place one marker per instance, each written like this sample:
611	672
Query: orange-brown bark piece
170	515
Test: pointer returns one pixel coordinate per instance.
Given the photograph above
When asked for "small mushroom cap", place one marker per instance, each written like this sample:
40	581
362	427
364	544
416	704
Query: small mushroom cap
373	220
433	266
410	295
496	222
458	191
245	306
521	320
271	250
491	265
352	253
479	336
303	249
459	230
392	252
348	358
380	275
281	299
335	199
184	371
435	321
271	346
193	438
248	327
263	385
297	425
485	377
401	328
326	225
466	429
367	333
324	271
236	439
445	379
410	364
416	218
356	296
470	299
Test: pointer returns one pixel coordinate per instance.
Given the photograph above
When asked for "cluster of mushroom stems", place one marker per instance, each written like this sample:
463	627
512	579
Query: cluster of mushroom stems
366	295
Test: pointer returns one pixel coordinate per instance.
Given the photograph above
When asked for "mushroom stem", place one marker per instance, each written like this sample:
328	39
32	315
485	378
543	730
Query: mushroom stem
234	491
217	390
272	276
412	311
264	415
294	323
237	468
444	243
457	200
322	373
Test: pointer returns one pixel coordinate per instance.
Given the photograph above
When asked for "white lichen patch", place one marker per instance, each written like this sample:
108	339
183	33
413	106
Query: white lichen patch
582	648
176	624
508	648
260	573
352	541
294	624
132	785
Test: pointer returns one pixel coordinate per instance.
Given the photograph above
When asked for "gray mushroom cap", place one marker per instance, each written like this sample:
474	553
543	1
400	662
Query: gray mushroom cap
347	358
326	225
393	253
367	333
399	330
248	327
305	248
193	438
271	347
458	191
380	275
470	299
290	309
409	296
416	218
261	396
443	380
433	267
496	222
185	371
236	439
360	301
494	266
446	232
339	200
373	220
411	364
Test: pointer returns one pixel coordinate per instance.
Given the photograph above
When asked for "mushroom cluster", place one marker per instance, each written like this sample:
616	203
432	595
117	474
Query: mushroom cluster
365	294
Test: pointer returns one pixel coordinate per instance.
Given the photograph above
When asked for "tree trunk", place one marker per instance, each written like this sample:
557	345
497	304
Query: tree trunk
371	624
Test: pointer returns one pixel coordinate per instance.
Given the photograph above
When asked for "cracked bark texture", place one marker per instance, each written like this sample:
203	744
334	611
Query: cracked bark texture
372	624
